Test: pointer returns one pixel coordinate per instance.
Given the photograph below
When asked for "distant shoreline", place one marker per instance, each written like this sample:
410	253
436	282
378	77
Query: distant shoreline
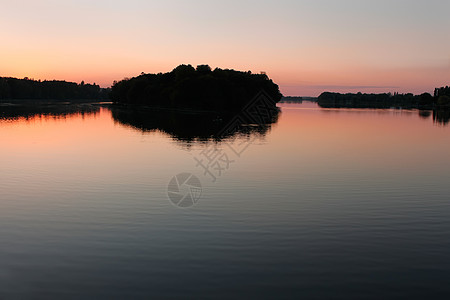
440	100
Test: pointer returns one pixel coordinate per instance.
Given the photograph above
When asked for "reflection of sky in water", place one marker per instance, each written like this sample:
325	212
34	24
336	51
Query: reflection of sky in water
327	202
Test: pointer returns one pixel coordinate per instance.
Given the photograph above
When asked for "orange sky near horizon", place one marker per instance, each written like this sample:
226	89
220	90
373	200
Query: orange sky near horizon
306	47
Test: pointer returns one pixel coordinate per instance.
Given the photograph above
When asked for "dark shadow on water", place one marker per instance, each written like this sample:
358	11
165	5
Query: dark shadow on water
187	127
441	116
425	114
13	112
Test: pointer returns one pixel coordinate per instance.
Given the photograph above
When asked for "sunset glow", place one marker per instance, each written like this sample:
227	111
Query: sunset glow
305	46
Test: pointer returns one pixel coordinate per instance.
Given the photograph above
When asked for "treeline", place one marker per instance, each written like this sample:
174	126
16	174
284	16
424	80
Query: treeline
199	88
19	89
442	96
441	99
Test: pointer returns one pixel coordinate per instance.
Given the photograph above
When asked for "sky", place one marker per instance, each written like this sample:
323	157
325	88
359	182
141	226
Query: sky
306	47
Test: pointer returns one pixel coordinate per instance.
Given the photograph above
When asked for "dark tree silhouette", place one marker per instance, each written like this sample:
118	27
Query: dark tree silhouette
441	99
200	88
19	89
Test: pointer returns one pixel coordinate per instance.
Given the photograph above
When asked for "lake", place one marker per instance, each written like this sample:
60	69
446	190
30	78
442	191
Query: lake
104	203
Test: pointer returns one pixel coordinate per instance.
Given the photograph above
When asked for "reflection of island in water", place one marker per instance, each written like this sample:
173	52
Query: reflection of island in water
441	116
192	126
255	118
10	112
188	125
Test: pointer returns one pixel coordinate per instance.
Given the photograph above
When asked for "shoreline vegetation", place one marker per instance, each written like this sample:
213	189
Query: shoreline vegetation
201	89
425	101
54	90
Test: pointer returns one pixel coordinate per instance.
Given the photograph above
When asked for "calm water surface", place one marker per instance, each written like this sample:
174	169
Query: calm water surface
324	203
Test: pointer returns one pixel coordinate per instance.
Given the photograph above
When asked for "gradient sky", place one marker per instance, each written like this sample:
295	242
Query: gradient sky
305	46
